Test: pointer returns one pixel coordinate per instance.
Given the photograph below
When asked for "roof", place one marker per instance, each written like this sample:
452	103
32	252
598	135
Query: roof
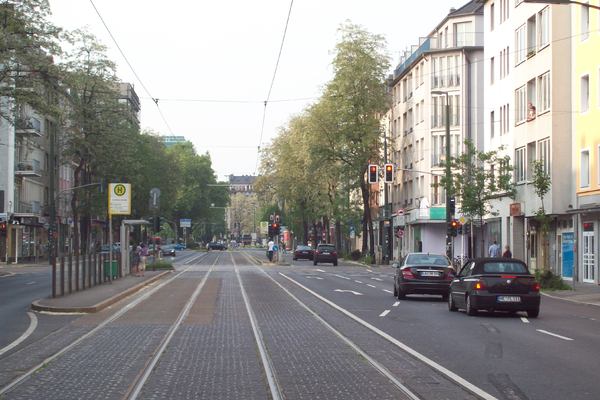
241	179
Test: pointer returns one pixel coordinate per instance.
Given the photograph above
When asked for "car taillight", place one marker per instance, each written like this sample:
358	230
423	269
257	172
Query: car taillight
316	251
535	287
450	275
479	285
333	253
407	274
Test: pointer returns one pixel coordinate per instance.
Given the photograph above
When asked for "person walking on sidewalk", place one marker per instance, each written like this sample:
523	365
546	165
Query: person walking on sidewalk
270	245
507	253
494	250
143	257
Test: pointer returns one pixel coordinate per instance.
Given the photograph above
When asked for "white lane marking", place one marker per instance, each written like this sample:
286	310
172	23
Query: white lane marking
383	314
370	270
377	279
314	277
389	291
525	320
455	377
33	321
348	291
357	281
30	283
320	270
554	334
396	304
369	285
343	277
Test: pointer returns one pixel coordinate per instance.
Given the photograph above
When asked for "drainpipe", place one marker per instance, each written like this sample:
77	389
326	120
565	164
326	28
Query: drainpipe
468	130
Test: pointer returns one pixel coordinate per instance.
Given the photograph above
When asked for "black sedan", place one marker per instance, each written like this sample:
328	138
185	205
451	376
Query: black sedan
168	250
492	284
216	246
303	253
423	273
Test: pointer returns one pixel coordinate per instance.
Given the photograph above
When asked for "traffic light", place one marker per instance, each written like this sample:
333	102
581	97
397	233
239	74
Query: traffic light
156	223
373	173
275	229
3	228
452	205
389	173
453	226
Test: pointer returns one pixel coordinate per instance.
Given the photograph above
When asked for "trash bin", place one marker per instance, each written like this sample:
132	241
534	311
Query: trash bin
111	272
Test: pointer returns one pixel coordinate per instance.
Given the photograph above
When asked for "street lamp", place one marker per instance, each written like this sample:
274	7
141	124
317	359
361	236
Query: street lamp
448	172
563	2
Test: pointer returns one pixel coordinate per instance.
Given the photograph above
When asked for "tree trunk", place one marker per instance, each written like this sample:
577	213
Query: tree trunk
367	223
74	207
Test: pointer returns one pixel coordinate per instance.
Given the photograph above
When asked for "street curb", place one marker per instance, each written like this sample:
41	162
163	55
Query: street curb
36	306
570	300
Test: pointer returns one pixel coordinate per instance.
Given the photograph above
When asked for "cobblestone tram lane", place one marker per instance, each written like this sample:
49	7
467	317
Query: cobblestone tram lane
106	364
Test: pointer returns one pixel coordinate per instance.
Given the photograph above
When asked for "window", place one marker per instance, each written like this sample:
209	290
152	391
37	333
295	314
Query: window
492	67
585	22
520	44
585	93
443	71
451	68
492	122
531	36
531	157
520	105
434	72
544	92
520	164
506	60
492	16
463	34
417	110
543	148
531	100
543	27
584	174
422	110
458	70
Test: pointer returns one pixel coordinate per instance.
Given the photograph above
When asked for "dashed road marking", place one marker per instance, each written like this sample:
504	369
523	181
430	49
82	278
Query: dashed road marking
357	281
343	277
320	270
383	314
525	320
554	334
389	291
396	304
369	285
377	279
30	283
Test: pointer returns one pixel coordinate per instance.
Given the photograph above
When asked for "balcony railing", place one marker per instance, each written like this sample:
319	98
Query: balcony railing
29	207
28	126
28	168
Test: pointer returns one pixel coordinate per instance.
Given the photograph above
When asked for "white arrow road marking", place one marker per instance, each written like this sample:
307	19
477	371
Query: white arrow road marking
33	321
348	291
369	285
383	314
396	304
554	334
389	291
343	277
320	270
525	320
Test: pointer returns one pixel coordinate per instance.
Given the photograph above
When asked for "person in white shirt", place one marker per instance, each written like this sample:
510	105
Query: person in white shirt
270	245
494	250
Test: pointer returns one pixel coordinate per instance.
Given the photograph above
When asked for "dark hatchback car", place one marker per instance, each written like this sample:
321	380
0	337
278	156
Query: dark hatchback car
325	253
492	284
423	273
216	246
168	250
303	253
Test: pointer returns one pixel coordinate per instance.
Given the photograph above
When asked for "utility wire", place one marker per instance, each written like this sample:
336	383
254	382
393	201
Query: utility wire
266	102
131	67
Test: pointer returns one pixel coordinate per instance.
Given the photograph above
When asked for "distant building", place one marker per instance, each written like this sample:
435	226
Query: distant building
130	100
171	140
241	217
243	183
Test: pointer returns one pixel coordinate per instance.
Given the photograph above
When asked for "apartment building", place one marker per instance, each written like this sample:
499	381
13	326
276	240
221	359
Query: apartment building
528	112
583	264
445	65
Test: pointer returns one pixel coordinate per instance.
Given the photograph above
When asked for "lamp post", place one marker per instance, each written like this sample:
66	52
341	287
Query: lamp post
448	173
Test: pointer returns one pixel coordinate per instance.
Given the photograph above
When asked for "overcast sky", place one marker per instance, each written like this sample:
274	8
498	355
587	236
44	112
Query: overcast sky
196	56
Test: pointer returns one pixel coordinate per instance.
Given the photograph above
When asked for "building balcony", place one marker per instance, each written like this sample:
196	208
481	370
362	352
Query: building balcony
28	168
28	126
28	209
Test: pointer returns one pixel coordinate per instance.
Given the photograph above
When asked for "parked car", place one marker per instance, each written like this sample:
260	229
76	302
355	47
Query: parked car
303	253
494	284
216	246
179	246
423	273
168	250
325	253
116	248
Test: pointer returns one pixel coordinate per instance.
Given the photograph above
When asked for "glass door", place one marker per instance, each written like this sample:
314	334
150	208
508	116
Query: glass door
588	257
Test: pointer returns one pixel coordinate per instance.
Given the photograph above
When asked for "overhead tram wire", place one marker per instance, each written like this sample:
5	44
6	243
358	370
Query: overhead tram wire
154	99
266	102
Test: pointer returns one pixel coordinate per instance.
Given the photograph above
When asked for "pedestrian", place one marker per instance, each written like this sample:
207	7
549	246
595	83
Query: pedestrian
270	246
494	250
143	257
507	253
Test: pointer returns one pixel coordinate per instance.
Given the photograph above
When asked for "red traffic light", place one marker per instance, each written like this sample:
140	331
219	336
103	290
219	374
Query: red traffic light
373	173
389	173
455	224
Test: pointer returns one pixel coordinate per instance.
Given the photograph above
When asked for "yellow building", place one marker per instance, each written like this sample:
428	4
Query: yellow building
586	139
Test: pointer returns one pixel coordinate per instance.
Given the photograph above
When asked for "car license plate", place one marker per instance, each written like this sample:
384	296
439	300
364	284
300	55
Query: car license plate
509	299
430	273
326	253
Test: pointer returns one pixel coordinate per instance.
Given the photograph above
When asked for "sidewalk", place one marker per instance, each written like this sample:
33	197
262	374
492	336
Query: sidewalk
585	293
98	297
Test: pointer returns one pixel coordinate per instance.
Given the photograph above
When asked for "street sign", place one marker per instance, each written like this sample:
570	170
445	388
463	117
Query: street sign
264	227
3	216
185	223
463	220
154	198
119	198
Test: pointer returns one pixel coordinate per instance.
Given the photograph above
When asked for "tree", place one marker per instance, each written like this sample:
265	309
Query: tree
541	185
477	179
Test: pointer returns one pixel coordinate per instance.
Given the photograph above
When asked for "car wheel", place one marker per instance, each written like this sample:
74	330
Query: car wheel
295	259
469	307
335	263
314	263
445	297
533	313
401	294
395	291
451	305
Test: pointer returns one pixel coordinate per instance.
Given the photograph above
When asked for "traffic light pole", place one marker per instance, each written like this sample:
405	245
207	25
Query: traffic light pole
448	180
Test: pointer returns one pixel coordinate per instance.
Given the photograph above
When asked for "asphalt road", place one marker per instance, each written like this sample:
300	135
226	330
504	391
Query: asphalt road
222	327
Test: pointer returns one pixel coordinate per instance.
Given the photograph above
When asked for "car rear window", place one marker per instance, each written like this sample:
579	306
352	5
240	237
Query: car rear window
302	248
326	248
426	259
504	267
